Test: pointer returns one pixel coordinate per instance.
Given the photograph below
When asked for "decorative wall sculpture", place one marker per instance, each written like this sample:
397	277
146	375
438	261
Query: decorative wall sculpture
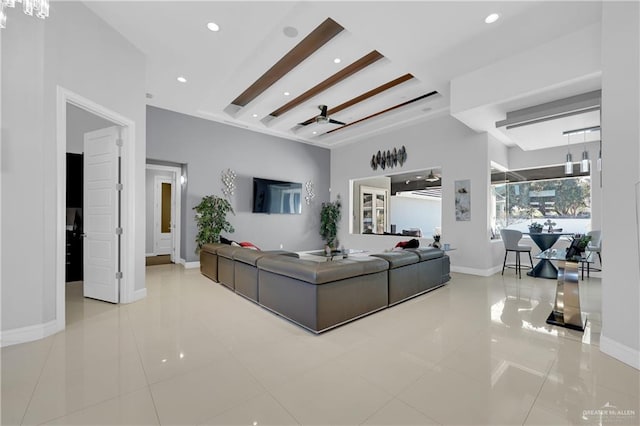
310	194
389	158
228	178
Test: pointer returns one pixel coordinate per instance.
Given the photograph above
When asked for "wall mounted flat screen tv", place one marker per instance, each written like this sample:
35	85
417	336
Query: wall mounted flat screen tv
276	197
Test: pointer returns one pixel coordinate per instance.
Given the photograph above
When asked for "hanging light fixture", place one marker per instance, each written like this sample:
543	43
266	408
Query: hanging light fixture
568	165
584	164
431	177
40	7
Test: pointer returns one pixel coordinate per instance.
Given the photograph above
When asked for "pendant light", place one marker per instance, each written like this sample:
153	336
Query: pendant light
584	164
568	165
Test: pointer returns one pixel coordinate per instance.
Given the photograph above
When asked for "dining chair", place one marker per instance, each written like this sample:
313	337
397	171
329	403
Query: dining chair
595	244
511	239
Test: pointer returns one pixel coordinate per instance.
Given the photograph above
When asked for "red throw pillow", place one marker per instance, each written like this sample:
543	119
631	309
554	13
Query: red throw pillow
412	243
249	245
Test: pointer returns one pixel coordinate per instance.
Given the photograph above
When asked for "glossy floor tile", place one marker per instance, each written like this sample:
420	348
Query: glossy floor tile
476	351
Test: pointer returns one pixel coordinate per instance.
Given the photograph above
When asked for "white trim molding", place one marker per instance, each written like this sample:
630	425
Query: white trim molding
475	271
191	265
29	333
620	352
139	294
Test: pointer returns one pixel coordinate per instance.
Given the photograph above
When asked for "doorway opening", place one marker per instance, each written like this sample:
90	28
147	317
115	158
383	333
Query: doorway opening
163	205
71	112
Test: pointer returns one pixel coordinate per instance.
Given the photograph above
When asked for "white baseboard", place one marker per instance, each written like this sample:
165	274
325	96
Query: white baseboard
29	333
191	265
475	271
620	352
149	254
139	294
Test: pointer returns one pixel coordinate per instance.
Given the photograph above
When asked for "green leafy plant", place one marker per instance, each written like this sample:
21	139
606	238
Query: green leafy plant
535	227
329	218
583	242
211	217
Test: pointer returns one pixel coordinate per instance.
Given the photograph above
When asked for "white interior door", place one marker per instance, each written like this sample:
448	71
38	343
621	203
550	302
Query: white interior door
101	215
164	212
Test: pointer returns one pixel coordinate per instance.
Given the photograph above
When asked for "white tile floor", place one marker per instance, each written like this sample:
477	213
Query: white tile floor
477	351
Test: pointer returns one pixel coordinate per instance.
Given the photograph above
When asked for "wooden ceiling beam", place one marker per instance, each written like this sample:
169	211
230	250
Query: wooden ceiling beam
364	96
310	44
426	95
346	72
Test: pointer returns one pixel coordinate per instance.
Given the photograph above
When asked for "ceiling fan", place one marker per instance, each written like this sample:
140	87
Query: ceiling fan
323	118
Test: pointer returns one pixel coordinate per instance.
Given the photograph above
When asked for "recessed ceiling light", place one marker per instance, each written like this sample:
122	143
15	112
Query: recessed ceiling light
181	79
418	177
254	115
213	26
492	18
315	133
337	60
286	93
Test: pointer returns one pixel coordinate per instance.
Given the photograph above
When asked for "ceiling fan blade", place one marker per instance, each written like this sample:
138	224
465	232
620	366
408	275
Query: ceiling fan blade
332	121
306	123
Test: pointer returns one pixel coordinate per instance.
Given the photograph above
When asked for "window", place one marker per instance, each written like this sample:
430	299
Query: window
540	195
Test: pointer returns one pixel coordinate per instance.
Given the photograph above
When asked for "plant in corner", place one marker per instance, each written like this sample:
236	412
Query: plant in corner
329	218
211	217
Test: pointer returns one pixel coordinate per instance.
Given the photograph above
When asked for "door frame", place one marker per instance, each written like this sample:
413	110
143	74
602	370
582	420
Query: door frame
176	173
127	254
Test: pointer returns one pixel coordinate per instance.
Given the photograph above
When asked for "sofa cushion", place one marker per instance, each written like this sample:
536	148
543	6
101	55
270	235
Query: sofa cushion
228	251
250	257
427	253
397	259
321	272
212	248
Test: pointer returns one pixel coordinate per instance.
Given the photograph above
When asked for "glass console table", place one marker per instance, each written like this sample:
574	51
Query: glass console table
548	255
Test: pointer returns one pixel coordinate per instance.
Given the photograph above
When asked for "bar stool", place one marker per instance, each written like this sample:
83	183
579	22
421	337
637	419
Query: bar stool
511	239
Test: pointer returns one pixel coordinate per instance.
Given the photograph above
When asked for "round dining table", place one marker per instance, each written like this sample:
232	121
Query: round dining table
545	240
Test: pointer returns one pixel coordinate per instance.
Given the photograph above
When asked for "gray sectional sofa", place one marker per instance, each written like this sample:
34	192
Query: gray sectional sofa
319	294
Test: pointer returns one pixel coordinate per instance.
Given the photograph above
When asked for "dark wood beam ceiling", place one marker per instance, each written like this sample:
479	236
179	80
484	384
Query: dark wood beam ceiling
364	96
346	72
310	44
426	95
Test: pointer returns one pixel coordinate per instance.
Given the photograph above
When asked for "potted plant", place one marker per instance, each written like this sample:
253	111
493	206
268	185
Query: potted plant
329	218
535	227
211	218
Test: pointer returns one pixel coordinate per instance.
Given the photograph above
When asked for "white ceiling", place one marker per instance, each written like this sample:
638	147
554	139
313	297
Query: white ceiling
434	41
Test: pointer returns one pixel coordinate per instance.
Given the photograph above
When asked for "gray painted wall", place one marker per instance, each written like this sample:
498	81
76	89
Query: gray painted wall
436	142
75	50
208	148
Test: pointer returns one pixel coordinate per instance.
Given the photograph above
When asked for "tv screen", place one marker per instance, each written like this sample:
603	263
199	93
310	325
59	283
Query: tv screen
275	196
